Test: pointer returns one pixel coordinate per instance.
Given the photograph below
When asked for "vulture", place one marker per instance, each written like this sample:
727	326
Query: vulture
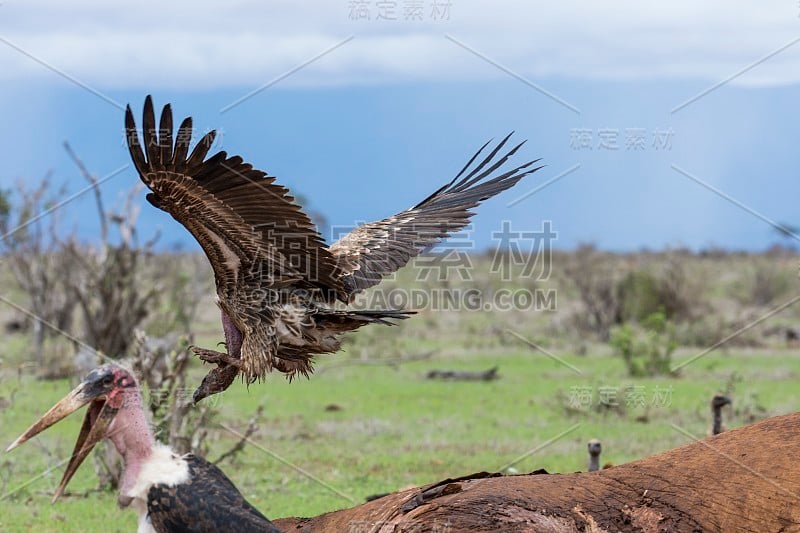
282	291
595	448
717	403
170	492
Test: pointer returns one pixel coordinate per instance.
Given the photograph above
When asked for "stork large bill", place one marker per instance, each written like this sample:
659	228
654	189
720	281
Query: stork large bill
94	428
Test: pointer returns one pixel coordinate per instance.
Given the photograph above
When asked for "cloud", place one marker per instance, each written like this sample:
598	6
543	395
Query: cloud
149	44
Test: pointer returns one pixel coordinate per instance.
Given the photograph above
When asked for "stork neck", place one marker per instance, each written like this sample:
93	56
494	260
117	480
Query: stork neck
132	438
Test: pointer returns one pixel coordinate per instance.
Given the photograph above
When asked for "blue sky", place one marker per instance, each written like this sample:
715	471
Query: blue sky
398	106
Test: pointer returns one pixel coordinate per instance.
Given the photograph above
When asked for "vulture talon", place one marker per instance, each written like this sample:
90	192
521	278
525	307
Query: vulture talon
213	356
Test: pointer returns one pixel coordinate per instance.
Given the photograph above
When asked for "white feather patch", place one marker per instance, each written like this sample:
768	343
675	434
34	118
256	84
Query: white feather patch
232	261
163	467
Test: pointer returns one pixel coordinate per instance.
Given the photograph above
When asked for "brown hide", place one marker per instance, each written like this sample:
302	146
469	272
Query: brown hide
746	479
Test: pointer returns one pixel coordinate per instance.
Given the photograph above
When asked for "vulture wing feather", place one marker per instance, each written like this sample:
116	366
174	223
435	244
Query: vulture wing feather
252	231
376	249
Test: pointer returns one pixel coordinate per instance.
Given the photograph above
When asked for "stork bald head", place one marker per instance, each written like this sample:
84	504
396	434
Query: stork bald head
104	389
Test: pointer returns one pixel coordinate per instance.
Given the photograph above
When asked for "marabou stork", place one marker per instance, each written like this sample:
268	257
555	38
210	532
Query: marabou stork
277	281
169	492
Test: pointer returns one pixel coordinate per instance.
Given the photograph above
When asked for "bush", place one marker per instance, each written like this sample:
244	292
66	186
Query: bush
648	353
639	296
767	283
594	276
680	295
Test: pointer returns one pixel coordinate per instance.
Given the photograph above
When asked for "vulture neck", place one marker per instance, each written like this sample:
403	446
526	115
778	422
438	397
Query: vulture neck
132	438
594	462
716	427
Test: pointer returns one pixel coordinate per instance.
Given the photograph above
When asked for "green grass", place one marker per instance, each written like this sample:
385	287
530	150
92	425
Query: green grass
395	428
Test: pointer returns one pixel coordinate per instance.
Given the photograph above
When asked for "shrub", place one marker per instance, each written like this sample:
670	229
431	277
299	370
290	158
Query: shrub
646	353
639	296
594	276
768	282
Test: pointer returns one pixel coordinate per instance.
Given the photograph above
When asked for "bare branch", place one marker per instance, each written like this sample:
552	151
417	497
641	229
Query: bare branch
252	427
95	189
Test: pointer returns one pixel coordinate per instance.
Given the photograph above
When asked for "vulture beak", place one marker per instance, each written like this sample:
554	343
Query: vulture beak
721	401
94	390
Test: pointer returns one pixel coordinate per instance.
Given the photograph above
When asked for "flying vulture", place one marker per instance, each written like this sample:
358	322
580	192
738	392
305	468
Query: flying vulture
277	281
170	492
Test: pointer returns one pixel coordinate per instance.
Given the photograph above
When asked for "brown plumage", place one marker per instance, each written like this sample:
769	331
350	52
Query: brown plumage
277	281
717	403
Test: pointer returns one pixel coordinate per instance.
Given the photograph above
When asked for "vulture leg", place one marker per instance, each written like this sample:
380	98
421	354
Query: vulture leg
213	356
220	378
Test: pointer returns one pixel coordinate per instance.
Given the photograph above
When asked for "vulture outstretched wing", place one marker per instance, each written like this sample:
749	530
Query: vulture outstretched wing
249	226
374	250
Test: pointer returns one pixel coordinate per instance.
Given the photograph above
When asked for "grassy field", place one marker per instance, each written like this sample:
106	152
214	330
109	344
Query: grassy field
390	427
395	429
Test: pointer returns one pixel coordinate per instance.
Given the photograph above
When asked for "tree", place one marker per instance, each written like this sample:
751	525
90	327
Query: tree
105	286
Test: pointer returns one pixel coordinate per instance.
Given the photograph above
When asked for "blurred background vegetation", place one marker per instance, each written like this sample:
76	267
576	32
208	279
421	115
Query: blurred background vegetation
633	345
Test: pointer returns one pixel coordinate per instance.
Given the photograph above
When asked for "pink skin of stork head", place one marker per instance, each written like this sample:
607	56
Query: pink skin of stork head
115	412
